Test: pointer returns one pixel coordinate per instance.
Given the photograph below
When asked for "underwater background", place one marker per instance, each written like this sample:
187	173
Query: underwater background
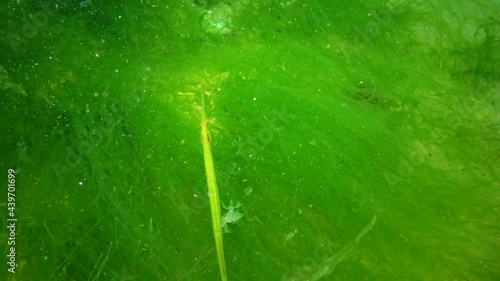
352	140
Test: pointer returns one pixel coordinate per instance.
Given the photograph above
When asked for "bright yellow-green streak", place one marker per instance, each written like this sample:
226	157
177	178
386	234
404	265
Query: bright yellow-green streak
213	193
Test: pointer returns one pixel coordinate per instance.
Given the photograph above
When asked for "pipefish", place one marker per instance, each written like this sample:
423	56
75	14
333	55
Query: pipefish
213	192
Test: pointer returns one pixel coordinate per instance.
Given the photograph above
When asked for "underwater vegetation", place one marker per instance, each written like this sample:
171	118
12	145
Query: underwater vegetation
251	140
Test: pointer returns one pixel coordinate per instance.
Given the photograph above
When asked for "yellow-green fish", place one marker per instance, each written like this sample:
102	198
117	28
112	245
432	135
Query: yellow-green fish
213	192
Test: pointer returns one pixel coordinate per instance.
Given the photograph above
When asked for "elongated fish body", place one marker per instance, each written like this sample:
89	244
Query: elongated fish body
213	192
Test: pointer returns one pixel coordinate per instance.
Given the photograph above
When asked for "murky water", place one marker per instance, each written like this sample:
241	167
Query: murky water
351	141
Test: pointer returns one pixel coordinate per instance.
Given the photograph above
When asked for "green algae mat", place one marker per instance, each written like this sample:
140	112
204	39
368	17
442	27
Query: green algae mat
249	140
